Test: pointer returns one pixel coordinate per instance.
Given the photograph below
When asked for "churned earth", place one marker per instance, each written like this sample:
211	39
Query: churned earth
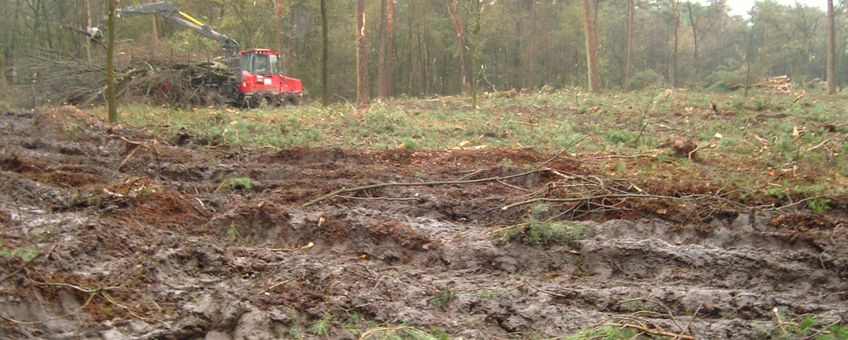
111	232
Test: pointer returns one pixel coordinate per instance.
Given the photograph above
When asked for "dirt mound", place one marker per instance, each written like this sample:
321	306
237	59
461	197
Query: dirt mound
115	234
147	201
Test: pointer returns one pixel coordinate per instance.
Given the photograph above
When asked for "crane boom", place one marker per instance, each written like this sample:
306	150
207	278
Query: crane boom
253	76
172	14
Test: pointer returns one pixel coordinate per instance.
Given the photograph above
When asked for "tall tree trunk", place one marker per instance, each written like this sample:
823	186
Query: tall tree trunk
110	65
453	10
676	12
831	49
591	47
692	22
410	64
530	82
325	52
390	48
627	64
475	52
87	4
280	35
381	53
362	83
9	54
154	25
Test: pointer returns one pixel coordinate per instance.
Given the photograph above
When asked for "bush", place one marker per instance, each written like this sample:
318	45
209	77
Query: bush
645	79
731	76
542	232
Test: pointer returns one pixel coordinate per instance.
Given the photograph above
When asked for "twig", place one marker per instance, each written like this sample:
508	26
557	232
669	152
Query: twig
818	145
279	284
588	198
544	291
658	303
694	315
779	321
469	175
123	162
415	184
824	329
26	263
513	186
561	152
655	331
379	198
691	153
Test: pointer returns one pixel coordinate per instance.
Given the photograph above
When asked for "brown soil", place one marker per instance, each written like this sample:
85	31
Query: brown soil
153	250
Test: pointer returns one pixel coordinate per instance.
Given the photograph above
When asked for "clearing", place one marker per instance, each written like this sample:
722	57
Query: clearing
661	217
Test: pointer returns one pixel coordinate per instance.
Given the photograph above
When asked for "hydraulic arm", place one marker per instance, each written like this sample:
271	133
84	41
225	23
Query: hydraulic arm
172	14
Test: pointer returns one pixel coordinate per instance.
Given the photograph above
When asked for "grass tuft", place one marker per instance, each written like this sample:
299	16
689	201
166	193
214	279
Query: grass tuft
234	184
403	332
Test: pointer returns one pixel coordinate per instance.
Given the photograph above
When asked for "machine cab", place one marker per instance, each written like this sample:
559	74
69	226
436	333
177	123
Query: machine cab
261	72
263	62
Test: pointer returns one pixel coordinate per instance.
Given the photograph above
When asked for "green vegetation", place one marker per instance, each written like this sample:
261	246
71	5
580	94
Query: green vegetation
403	332
489	293
444	297
605	333
752	144
26	253
538	231
236	183
322	326
807	328
819	205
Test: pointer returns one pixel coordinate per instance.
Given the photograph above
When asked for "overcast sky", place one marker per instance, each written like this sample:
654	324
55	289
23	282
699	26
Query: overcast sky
741	7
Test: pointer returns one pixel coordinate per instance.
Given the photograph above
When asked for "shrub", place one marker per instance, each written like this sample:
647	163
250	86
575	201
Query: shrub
236	183
645	79
543	232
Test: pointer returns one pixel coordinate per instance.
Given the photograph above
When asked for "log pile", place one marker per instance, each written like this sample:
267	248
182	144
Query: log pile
780	84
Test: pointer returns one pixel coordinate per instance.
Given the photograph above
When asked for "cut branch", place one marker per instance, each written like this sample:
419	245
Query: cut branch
419	184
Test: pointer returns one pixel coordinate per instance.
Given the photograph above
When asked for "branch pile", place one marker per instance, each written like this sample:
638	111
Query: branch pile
64	80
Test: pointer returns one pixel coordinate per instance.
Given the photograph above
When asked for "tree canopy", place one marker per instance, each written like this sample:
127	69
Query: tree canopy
522	44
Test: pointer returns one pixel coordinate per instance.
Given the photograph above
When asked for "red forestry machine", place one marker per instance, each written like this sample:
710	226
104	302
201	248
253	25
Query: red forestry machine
256	78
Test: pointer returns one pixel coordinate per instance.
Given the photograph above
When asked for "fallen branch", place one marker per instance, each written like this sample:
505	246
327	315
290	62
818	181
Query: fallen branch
587	198
418	184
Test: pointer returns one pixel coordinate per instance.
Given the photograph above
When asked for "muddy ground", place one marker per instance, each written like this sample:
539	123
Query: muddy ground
133	236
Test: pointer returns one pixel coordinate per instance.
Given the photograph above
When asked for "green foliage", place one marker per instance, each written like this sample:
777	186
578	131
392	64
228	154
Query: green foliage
819	205
25	253
605	333
95	201
835	332
403	332
322	326
442	298
807	328
645	79
617	137
549	122
542	232
488	293
728	76
235	183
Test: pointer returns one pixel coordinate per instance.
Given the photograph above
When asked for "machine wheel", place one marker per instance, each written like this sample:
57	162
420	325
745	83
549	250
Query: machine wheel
293	100
260	100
